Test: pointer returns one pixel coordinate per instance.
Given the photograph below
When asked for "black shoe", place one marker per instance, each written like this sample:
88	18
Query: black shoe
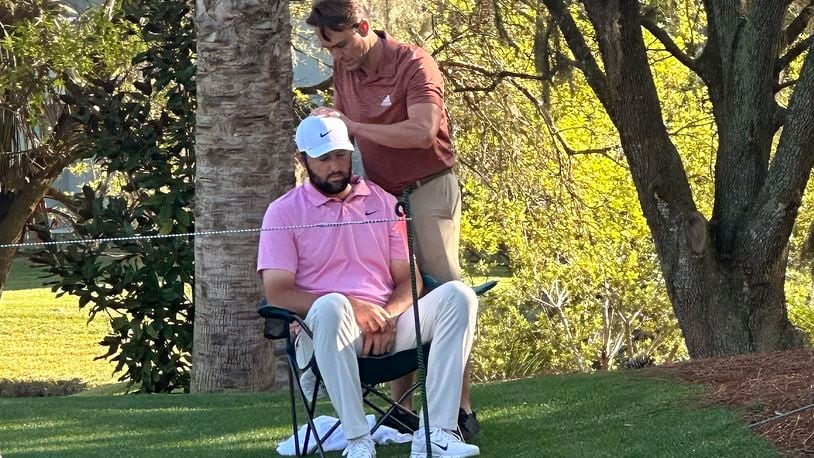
402	422
468	425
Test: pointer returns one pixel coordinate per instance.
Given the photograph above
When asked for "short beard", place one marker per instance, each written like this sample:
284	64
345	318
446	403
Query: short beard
327	187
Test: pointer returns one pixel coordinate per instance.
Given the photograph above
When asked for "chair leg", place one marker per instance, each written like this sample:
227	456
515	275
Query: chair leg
293	410
309	410
393	406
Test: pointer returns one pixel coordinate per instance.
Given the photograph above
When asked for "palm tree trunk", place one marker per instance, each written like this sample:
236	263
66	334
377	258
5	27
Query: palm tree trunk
245	123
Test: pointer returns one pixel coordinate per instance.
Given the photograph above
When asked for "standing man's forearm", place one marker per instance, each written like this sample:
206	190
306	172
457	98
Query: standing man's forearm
419	130
403	135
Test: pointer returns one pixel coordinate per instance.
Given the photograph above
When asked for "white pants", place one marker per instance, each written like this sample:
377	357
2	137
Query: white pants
448	315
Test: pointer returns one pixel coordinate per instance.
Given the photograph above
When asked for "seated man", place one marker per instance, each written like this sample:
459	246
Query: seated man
352	284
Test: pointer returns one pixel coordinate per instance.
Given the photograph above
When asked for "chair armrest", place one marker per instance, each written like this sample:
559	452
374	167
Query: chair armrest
431	283
277	320
481	289
276	313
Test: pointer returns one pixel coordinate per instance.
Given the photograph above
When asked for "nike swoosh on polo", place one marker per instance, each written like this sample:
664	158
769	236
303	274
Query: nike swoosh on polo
325	133
370	213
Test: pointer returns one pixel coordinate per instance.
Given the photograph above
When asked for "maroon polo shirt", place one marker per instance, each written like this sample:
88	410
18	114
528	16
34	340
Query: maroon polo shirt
406	75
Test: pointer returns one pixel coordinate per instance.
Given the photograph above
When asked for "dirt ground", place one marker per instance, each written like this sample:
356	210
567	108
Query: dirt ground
762	387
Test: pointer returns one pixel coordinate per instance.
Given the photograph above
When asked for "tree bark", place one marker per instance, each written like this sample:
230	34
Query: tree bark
23	206
725	278
245	123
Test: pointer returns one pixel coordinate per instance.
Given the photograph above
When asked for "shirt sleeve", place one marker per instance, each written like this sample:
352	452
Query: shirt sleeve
277	249
426	85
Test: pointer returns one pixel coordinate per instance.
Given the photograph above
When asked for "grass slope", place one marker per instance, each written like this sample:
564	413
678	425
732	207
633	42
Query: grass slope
607	415
42	337
45	337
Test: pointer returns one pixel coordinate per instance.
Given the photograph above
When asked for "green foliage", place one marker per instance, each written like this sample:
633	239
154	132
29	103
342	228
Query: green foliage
548	197
50	46
142	134
800	273
43	44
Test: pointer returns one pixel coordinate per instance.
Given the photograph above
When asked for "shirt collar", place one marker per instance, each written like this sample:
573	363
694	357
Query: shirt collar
317	199
387	62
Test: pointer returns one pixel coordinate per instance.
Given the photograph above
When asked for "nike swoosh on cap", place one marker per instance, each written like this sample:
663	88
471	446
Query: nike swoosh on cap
370	213
325	133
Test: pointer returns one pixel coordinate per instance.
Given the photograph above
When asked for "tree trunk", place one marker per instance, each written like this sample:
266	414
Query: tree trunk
724	310
12	224
245	123
725	278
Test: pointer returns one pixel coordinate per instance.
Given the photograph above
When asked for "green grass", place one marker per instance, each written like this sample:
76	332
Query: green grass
605	415
42	337
45	337
24	275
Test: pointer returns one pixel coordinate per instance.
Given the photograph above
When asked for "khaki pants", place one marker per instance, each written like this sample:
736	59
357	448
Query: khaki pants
436	213
448	315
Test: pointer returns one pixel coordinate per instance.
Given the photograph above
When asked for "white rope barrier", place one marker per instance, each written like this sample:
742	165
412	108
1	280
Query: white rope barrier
199	234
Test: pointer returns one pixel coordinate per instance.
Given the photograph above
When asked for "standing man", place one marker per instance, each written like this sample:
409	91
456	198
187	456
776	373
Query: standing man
353	287
391	97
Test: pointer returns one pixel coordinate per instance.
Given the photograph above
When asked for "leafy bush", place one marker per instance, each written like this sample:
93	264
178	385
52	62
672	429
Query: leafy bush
142	135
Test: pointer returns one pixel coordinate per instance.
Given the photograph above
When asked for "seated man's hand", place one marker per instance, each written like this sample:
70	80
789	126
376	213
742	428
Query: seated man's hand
378	343
371	317
294	328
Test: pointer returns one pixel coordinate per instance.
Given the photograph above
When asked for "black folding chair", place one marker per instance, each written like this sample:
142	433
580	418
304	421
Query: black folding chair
373	370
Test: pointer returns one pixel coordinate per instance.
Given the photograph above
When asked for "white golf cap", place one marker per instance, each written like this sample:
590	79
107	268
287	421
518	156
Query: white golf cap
318	135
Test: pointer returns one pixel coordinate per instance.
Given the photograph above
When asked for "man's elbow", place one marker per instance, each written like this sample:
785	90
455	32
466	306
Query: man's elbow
279	297
272	293
427	143
425	138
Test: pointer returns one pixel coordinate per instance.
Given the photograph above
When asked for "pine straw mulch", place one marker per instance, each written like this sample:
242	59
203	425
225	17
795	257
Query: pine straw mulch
761	386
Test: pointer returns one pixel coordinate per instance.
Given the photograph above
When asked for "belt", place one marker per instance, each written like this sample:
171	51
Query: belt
428	178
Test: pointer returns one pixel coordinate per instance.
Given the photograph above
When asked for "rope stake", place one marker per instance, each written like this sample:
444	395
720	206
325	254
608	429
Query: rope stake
403	209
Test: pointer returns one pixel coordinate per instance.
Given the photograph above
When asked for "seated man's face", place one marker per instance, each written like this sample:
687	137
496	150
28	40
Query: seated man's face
330	173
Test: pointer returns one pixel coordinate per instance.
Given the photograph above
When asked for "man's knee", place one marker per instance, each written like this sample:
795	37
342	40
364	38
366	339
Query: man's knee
328	310
460	298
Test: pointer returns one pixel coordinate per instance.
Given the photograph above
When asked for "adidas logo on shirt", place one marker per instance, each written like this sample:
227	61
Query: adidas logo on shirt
386	102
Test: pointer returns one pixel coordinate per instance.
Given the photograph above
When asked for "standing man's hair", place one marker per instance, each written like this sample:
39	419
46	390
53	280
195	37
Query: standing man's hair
336	15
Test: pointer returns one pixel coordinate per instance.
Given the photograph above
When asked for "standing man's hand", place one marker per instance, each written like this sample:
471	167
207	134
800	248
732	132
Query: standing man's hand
332	112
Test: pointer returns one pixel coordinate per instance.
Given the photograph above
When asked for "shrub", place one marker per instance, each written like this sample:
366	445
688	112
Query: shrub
142	135
10	388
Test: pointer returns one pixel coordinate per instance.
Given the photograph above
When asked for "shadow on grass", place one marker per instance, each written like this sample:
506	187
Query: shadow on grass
148	425
23	275
570	416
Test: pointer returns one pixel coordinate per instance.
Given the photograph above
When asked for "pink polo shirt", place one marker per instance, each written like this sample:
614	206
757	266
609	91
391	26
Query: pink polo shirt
353	260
